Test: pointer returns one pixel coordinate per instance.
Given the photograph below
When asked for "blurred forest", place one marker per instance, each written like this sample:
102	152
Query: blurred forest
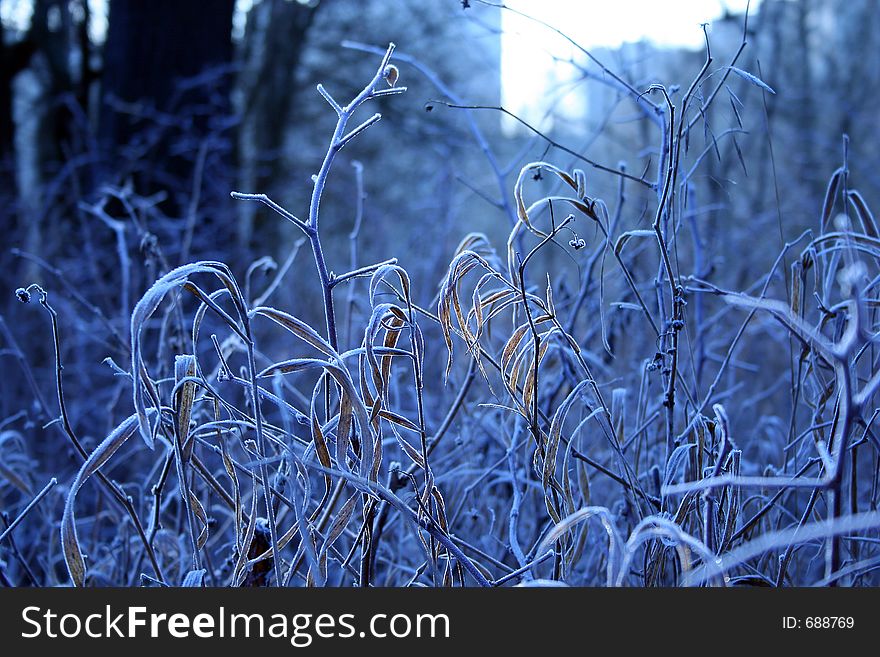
125	127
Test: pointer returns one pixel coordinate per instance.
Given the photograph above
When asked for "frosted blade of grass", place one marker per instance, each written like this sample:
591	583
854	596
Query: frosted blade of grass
822	529
143	311
76	565
581	515
754	79
30	506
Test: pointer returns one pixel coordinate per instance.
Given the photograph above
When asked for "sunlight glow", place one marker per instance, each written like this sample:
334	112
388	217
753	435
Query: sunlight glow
533	56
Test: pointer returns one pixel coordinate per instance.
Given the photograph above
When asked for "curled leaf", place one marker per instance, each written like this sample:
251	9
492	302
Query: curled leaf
73	557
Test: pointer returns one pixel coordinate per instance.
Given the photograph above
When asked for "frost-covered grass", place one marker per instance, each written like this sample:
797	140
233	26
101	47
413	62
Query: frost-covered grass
645	427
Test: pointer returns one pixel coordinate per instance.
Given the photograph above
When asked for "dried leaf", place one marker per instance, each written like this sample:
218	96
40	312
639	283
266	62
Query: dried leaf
831	195
73	557
184	369
866	217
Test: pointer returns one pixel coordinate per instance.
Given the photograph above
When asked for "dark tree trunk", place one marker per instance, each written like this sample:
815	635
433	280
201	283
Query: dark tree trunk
166	88
272	54
152	46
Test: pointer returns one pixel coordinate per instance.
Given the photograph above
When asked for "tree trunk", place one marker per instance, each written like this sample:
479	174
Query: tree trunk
152	46
151	94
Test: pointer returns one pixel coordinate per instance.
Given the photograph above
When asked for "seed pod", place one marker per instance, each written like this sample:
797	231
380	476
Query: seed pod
390	74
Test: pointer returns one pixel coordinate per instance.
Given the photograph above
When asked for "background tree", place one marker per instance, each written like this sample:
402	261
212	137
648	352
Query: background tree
165	62
267	97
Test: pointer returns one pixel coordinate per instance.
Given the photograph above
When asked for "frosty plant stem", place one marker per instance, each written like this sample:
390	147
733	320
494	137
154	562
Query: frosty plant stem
341	136
124	500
